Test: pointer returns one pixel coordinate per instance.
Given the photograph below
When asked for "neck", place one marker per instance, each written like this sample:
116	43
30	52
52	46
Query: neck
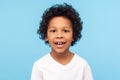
60	55
62	58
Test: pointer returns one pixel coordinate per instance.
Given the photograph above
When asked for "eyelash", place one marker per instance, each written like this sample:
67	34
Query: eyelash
66	30
63	31
52	30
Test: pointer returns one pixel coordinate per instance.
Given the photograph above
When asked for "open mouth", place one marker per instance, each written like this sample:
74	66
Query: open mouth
60	44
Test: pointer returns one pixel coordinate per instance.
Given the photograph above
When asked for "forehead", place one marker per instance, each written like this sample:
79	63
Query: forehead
60	21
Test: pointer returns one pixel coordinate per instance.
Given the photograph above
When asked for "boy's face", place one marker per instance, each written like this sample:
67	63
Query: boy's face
59	34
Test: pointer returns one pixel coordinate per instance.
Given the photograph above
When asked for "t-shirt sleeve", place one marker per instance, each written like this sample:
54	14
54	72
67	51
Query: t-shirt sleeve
36	74
87	73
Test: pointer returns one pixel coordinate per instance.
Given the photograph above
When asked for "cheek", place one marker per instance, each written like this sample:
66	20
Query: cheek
49	38
70	38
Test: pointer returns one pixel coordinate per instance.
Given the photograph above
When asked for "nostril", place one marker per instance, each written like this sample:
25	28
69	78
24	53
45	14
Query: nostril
59	34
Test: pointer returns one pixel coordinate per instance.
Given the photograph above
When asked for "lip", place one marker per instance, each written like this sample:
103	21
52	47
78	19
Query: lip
59	44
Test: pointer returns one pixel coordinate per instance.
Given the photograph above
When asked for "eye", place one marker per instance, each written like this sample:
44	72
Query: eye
66	30
52	30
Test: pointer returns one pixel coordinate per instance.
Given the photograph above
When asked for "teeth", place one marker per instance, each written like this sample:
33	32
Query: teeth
59	43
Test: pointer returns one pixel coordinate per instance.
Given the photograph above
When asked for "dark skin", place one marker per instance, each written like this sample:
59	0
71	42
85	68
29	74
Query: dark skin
60	36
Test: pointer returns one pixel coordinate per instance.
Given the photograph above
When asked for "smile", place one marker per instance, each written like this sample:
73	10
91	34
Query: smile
60	44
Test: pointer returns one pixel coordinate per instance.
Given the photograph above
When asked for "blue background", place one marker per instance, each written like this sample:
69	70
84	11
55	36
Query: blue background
20	45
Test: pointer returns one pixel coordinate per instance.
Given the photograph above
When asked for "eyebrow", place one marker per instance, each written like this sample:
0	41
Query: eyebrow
55	27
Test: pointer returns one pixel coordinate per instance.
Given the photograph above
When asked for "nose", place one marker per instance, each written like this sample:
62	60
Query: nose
59	35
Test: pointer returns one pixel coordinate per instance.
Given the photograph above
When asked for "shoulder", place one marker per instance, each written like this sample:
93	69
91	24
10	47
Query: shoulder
80	60
83	64
45	60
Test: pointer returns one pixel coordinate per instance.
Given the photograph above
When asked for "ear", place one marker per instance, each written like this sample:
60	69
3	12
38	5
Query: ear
72	39
46	39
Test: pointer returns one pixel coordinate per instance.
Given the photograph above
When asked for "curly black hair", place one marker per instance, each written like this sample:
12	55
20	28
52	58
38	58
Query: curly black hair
66	11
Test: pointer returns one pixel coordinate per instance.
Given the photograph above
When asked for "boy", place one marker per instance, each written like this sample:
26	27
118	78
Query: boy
61	28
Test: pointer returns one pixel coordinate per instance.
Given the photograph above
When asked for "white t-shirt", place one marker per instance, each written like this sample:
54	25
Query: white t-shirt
46	68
